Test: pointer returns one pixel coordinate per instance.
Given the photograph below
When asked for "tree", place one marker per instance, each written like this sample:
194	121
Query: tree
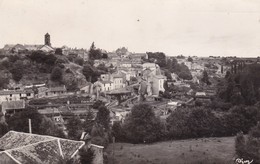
121	51
90	73
102	67
6	64
168	74
205	78
86	156
56	74
99	135
17	70
142	125
58	51
42	57
89	121
94	53
190	59
177	124
13	58
159	58
74	127
105	56
3	128
222	68
3	82
97	104
240	144
182	71
118	132
48	127
72	85
242	118
19	121
79	61
65	160
249	148
193	123
103	117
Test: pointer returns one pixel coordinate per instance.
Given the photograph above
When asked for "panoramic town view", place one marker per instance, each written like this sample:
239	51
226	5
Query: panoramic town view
139	82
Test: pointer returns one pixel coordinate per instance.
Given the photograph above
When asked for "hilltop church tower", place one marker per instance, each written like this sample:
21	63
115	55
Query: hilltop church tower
47	39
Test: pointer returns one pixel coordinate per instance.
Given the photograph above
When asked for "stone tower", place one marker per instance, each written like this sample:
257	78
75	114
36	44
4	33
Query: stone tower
47	39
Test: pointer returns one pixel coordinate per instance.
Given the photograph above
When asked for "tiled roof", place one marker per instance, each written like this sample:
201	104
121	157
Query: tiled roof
13	105
57	89
32	47
138	55
200	94
49	111
8	92
106	82
160	76
117	76
32	148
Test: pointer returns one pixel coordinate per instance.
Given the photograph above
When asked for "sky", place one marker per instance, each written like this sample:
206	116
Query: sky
188	27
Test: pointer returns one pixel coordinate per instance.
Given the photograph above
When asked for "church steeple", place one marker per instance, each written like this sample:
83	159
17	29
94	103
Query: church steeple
47	39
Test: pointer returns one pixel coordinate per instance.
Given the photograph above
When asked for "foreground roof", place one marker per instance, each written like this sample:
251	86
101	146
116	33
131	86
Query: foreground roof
19	147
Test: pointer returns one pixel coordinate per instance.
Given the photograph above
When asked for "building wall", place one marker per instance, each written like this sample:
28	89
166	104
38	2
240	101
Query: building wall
15	96
128	65
157	85
105	77
53	94
98	159
85	89
151	66
118	83
108	86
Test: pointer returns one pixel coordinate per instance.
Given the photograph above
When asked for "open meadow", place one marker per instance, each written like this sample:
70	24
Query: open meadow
190	151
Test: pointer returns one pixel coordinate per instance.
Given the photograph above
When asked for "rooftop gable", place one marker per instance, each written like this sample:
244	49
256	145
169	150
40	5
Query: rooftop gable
33	148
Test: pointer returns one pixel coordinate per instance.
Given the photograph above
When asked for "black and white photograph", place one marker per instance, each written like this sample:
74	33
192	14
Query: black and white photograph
129	81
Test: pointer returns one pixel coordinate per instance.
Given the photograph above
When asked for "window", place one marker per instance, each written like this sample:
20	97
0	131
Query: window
46	93
11	95
28	94
20	95
54	92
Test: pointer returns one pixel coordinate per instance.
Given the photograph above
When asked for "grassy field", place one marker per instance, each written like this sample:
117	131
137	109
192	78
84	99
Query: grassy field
192	151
